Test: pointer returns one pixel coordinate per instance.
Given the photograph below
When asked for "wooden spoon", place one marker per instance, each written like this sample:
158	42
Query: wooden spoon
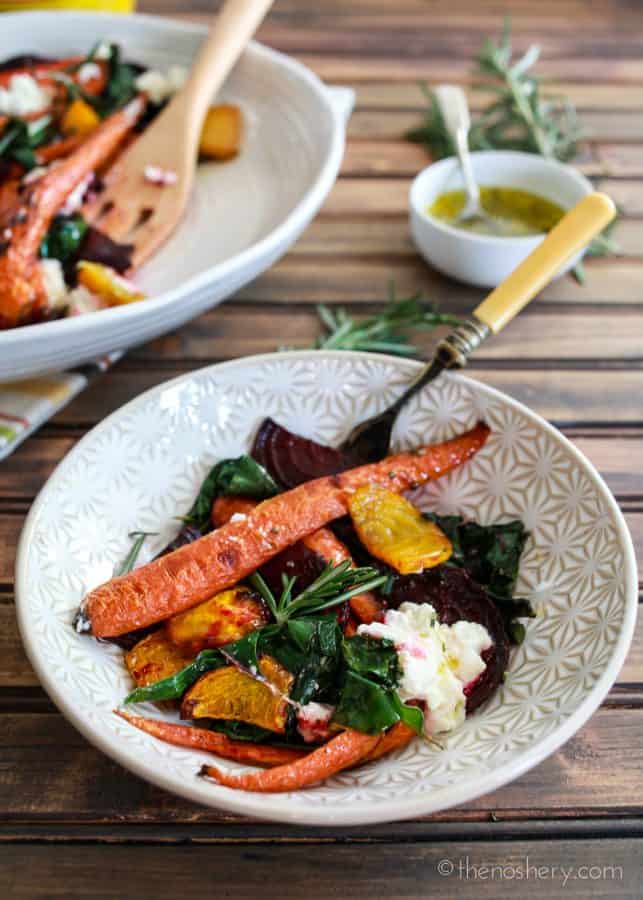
131	208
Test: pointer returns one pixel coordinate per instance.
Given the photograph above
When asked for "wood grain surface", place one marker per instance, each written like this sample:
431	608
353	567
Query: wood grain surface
75	824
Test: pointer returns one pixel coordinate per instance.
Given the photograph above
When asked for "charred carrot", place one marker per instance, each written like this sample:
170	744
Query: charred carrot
218	560
366	606
224	508
395	738
342	751
213	742
58	149
22	291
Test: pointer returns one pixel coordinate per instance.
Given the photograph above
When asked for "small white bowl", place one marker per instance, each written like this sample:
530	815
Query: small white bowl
480	259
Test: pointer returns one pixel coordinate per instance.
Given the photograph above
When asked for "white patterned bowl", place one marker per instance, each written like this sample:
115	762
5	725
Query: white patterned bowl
142	466
243	214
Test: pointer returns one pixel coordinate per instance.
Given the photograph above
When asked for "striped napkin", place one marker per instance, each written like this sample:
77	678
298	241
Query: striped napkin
26	405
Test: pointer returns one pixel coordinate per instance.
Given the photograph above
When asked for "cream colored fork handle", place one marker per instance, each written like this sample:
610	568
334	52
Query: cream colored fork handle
235	24
574	231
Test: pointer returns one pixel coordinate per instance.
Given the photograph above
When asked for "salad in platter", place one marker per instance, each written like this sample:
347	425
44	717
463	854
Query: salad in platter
63	124
308	617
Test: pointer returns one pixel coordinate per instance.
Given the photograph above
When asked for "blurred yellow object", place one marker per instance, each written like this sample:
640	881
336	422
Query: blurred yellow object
117	6
79	119
107	283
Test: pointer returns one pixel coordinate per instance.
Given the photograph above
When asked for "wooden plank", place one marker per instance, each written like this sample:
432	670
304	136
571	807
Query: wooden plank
16	671
409	95
579	870
366	158
388	235
612	126
562	395
536	334
352	279
378	197
593	773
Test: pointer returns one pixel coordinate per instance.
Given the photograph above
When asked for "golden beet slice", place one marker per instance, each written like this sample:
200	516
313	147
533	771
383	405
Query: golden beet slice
221	132
223	618
229	693
155	657
393	530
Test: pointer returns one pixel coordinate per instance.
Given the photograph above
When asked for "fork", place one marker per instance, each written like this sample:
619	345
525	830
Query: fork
132	209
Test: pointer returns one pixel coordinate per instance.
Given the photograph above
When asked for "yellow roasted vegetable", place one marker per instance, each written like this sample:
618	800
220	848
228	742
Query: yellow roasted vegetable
107	283
79	119
393	530
221	132
155	657
223	618
230	693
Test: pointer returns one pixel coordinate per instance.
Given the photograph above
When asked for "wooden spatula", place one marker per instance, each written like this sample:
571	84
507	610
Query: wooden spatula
131	208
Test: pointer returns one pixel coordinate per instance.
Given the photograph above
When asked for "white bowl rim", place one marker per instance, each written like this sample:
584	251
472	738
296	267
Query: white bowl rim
318	189
272	806
521	242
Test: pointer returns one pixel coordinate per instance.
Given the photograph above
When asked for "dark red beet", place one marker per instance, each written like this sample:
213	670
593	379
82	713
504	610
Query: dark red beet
98	247
291	459
455	596
307	565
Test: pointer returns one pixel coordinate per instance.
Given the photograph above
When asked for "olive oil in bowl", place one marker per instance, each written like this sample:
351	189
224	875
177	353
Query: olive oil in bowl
514	212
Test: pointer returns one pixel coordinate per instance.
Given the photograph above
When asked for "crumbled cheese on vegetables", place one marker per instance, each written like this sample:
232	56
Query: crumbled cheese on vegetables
88	71
23	97
159	86
54	283
438	661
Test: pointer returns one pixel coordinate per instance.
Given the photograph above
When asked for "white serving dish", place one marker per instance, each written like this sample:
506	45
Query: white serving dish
142	466
244	214
485	260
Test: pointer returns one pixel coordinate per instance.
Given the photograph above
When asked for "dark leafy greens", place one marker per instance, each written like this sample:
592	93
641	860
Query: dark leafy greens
241	476
64	238
120	87
20	139
491	555
357	675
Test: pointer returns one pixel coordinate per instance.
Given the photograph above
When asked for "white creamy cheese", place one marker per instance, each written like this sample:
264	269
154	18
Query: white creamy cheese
159	86
438	661
23	97
54	283
88	71
103	51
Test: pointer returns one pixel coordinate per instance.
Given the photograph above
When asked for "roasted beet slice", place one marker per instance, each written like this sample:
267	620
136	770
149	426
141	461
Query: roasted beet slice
455	596
98	247
307	565
292	459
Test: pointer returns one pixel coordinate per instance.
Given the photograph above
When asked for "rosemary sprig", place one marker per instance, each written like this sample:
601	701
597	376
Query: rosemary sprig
138	539
386	331
335	585
520	117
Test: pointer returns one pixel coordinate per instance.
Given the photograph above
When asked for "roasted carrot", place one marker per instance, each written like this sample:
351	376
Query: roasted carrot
22	291
58	149
339	753
394	739
366	606
218	560
224	508
213	742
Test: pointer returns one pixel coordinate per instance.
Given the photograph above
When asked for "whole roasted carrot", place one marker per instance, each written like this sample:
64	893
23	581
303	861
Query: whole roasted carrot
213	742
366	606
23	227
339	753
218	560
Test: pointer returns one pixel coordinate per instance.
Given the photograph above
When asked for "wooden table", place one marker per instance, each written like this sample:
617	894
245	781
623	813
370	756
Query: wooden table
76	824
